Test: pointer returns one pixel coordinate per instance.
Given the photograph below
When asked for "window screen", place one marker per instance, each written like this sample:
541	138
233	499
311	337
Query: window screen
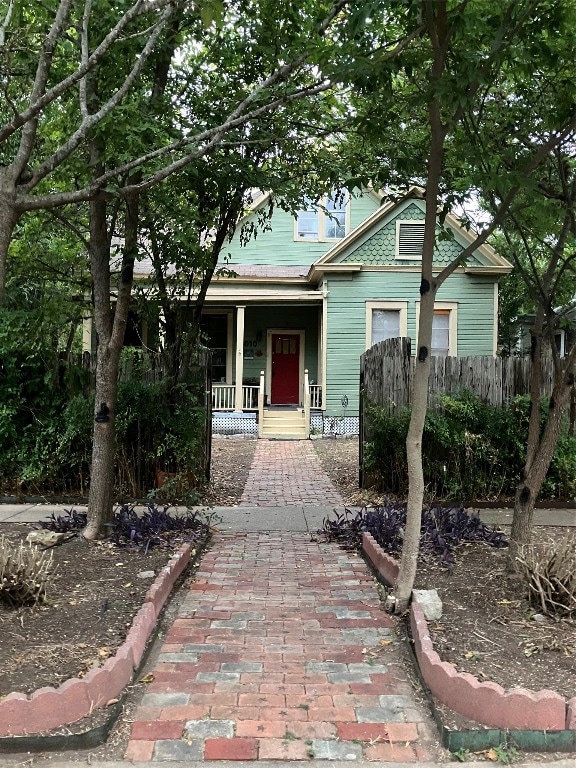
385	324
441	332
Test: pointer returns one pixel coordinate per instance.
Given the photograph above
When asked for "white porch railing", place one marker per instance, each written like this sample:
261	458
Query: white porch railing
306	403
250	397
224	397
261	398
315	395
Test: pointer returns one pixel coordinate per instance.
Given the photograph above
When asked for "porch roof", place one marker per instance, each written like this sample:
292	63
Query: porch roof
266	271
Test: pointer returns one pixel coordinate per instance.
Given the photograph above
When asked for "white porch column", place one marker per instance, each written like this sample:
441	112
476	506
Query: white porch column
239	357
87	334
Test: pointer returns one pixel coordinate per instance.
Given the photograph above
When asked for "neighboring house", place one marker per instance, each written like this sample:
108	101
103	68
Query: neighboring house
564	336
312	293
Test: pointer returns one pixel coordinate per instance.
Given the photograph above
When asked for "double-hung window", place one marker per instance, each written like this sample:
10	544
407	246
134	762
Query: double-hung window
441	333
326	220
335	218
307	222
444	328
385	320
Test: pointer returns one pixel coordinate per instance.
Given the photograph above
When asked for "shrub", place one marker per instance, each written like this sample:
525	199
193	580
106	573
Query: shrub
550	576
46	429
442	529
470	450
24	573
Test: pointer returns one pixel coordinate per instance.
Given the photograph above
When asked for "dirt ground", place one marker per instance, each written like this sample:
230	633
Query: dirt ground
487	628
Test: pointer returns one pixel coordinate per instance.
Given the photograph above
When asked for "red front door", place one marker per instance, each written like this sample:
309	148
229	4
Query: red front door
285	368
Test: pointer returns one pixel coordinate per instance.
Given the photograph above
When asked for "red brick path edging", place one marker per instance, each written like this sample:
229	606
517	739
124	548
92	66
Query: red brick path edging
486	703
49	708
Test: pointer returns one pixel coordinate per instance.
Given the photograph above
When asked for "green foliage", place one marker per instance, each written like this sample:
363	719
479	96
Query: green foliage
160	428
471	450
505	753
46	423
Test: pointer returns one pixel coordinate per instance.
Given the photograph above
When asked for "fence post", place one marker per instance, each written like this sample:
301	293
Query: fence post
361	426
306	403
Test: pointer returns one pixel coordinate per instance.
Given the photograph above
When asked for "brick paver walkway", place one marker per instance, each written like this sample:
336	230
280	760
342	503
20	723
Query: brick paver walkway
280	651
287	473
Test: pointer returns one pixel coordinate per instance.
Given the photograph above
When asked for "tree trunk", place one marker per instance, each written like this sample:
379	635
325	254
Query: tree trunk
411	541
9	216
435	15
535	471
100	498
111	328
103	439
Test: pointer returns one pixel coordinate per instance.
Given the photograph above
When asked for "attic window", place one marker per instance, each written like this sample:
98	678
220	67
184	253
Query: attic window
325	220
409	240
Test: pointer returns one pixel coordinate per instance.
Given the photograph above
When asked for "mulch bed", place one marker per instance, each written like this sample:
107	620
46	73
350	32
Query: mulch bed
92	598
488	627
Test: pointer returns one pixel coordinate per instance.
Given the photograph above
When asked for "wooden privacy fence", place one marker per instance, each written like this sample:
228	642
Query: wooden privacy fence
148	367
387	368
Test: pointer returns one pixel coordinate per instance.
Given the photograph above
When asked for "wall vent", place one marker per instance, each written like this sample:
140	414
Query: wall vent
410	240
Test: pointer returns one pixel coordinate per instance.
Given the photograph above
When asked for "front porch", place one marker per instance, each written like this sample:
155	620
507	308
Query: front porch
265	350
224	397
258	417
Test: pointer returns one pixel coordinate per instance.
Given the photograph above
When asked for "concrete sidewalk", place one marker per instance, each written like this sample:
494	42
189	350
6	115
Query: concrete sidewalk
298	517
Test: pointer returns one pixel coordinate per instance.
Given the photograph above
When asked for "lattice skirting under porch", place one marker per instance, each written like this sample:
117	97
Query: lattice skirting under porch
224	423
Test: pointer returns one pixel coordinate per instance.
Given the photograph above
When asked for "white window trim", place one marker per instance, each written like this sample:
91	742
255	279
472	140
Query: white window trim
322	218
397	242
561	334
452	307
401	306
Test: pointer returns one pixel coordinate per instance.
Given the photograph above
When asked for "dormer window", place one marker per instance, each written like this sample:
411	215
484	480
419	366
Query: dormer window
409	240
326	220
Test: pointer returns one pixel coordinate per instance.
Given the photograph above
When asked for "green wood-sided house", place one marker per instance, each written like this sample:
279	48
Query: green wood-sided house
313	292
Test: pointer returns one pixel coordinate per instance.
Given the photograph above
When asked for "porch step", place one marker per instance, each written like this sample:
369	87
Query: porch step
286	425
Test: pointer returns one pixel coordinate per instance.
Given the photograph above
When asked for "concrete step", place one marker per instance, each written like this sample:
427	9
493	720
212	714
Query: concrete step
283	436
